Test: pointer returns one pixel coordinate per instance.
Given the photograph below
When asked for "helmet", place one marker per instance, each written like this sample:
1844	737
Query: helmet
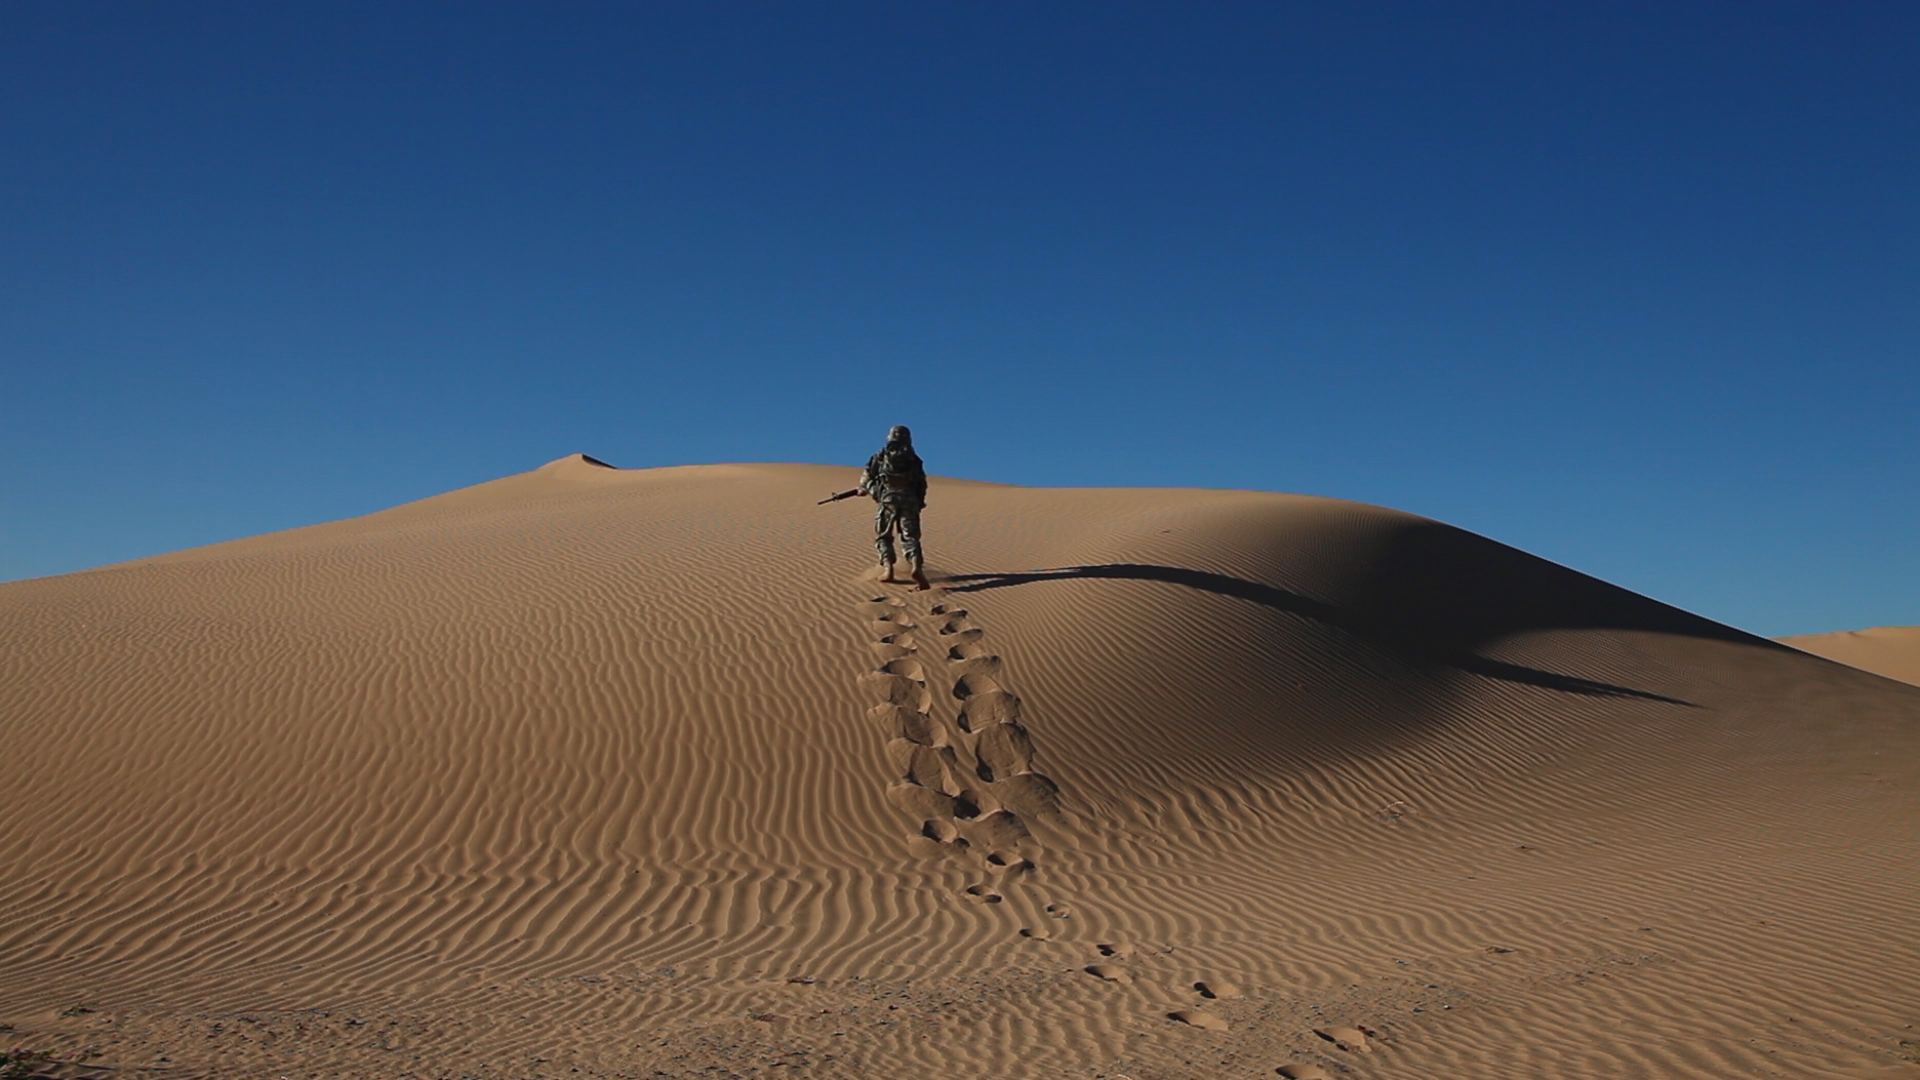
898	435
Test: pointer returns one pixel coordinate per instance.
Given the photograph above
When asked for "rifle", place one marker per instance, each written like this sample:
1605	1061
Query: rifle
838	495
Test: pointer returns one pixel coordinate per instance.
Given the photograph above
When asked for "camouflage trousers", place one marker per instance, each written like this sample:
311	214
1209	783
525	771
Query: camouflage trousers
903	517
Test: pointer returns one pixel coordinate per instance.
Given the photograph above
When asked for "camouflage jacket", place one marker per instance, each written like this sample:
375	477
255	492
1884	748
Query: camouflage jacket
895	475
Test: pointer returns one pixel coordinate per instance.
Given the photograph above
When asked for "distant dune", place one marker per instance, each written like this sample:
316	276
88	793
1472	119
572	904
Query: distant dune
592	772
1892	651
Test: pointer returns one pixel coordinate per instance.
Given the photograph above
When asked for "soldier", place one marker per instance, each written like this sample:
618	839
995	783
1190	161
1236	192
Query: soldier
898	483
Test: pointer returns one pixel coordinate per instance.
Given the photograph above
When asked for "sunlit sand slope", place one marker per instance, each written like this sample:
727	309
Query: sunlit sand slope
589	772
1891	651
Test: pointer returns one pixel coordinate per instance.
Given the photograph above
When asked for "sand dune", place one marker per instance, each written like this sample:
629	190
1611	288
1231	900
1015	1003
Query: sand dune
1890	651
591	772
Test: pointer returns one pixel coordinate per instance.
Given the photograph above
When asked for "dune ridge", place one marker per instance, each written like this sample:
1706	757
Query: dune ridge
590	771
1892	652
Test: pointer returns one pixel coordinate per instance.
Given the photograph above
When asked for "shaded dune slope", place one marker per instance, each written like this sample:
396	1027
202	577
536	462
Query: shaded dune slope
624	751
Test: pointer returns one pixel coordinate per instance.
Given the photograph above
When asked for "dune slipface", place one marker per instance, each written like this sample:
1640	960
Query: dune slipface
589	772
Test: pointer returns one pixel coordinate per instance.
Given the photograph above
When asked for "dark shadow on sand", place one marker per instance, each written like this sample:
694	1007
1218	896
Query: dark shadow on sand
1426	624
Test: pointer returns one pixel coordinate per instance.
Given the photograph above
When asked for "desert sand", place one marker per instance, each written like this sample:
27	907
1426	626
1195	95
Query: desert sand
1889	651
591	773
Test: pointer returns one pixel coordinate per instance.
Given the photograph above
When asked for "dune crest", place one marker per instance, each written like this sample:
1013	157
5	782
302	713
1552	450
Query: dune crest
590	771
1891	652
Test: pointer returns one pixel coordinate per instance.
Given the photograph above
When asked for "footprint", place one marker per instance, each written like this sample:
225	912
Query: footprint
981	894
1113	973
966	650
1002	749
998	831
1029	794
1036	933
1303	1071
967	686
907	666
955	623
1115	948
943	831
999	862
1199	1018
1216	989
928	766
884	651
936	838
985	665
1059	911
904	723
898	690
966	806
1351	1039
987	708
881	609
965	638
922	802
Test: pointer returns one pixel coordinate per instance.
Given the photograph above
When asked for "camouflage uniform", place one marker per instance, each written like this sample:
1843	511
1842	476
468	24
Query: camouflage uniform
898	483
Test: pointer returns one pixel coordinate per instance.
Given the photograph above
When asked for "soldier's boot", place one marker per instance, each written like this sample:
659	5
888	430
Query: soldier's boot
888	576
920	581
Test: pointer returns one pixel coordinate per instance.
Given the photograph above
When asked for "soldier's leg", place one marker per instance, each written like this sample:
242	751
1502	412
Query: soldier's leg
909	518
910	539
883	523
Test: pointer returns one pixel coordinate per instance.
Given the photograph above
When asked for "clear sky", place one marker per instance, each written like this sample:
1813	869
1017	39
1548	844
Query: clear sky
1635	287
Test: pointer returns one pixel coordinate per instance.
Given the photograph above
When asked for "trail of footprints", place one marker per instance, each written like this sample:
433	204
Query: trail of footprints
969	779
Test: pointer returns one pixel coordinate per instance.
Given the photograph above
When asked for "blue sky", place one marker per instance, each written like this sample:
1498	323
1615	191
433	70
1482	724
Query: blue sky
1636	288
